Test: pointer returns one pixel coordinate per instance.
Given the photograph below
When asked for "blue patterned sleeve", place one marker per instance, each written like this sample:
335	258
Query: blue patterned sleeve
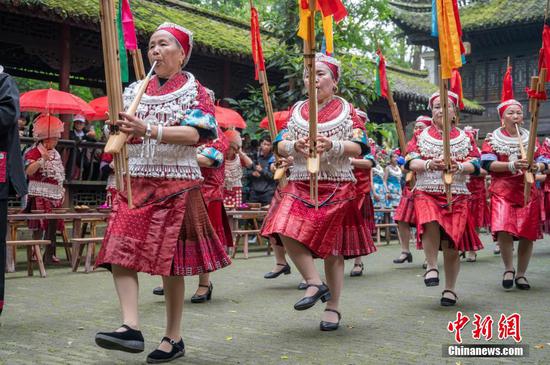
359	136
283	135
212	154
205	123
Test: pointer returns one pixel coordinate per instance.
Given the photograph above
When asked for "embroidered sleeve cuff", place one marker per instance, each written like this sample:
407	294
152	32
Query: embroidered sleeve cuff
371	158
359	136
212	154
411	156
543	159
477	166
205	123
283	135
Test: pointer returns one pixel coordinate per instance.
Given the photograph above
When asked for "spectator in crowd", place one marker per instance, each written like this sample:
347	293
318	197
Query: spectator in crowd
260	177
24	123
80	133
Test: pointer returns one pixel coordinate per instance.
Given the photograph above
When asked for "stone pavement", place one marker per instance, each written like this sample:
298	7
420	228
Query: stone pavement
389	316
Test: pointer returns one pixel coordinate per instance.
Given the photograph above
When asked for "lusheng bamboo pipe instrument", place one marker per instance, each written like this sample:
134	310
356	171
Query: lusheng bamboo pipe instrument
313	161
113	83
537	85
447	175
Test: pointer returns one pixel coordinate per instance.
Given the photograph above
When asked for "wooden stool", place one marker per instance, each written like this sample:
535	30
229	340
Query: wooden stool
79	244
11	251
386	226
244	234
33	246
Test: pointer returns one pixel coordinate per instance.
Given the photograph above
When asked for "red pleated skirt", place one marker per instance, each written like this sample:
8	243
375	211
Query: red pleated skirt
546	211
218	218
337	228
405	210
517	220
46	205
479	206
456	224
366	208
168	232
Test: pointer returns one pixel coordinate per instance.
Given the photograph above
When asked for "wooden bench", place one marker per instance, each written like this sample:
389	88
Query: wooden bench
33	247
78	249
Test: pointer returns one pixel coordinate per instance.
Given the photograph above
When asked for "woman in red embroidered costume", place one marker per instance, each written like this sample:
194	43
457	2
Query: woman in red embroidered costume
168	232
336	230
362	172
46	173
510	218
480	214
437	226
235	161
404	213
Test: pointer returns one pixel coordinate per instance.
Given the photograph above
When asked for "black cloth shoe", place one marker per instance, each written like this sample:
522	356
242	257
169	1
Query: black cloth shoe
205	297
522	286
159	290
302	286
431	281
130	340
508	284
159	356
408	257
357	273
330	326
275	274
307	302
448	302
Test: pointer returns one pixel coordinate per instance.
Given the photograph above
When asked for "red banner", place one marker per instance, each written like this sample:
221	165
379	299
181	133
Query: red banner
456	87
257	51
544	56
507	86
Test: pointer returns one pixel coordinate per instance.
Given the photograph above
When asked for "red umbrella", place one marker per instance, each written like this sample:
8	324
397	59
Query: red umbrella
228	118
54	102
280	119
101	107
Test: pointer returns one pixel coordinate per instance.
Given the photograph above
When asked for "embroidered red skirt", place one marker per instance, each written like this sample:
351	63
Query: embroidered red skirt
233	197
405	210
509	214
479	206
218	218
336	228
455	224
546	211
167	233
45	204
367	210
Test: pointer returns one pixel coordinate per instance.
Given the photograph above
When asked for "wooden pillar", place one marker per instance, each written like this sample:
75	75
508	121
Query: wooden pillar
65	70
226	88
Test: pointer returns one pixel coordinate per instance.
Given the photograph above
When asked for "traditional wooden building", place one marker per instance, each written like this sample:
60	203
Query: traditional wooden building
495	30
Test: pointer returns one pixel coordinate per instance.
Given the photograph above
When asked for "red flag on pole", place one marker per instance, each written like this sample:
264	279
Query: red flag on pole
257	51
129	30
382	86
333	7
544	56
456	87
507	86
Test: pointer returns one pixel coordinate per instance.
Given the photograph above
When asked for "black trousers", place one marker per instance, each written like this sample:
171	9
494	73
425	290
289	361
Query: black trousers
3	232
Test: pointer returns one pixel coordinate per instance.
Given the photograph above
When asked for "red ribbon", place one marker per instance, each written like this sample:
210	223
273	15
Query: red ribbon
534	94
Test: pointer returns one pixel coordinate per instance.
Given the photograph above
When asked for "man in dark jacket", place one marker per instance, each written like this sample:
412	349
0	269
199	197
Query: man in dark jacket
11	162
261	183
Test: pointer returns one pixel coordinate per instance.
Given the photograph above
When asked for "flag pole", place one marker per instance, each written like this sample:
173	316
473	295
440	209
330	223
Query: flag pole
280	172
